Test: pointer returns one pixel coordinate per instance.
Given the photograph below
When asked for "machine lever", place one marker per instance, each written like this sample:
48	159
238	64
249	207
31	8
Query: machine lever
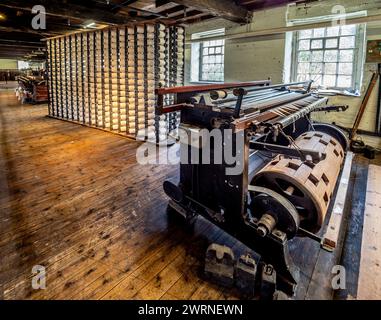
309	235
332	109
303	154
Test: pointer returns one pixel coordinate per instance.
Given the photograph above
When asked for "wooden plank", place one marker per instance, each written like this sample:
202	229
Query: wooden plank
369	285
319	286
331	235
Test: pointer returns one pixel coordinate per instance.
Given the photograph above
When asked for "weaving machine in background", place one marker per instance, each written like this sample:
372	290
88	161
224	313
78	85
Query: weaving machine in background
32	88
289	172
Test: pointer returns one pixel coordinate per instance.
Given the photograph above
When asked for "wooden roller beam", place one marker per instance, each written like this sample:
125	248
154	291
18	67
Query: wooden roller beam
308	186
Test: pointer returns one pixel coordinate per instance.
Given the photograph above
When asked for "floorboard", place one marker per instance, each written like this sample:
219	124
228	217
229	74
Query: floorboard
74	200
369	283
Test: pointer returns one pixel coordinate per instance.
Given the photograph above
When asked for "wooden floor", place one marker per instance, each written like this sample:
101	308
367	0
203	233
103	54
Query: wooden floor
73	199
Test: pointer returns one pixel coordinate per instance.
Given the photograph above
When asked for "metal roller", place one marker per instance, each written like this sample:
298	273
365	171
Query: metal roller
309	187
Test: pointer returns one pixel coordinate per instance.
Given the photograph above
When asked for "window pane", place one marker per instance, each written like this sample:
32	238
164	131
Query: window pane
205	51
218	59
316	44
331	43
317	56
218	50
219	43
348	30
316	68
319	33
304	44
344	81
302	77
304	56
206	44
317	78
303	67
211	50
212	43
305	34
330	56
346	55
329	81
345	68
347	42
333	31
330	68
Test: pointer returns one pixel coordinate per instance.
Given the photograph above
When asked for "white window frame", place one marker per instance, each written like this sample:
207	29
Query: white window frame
197	56
358	57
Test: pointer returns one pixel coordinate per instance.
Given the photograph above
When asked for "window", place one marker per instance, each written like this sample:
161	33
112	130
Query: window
331	56
208	57
212	60
22	65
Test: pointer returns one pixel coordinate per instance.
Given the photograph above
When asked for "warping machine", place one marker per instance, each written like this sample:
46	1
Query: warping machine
285	170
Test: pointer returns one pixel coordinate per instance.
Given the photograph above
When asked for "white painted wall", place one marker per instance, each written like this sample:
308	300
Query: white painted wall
262	57
8	64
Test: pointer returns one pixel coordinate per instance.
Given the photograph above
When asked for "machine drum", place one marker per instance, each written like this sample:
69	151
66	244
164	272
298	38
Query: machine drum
307	186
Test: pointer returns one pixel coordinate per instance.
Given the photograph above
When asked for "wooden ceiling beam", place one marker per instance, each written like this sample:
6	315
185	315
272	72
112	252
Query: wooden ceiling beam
187	15
226	9
173	11
265	4
14	53
18	45
198	19
28	31
118	7
65	9
194	17
246	2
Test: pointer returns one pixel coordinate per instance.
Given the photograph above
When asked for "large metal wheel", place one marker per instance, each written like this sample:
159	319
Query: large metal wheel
266	201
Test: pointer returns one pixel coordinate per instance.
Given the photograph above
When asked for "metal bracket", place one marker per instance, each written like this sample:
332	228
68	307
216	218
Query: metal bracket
341	108
303	154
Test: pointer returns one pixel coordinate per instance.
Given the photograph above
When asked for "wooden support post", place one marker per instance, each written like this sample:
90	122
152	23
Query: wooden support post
378	117
364	103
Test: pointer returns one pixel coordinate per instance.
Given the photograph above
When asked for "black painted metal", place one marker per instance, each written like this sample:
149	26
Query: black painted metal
126	53
71	78
145	53
50	75
136	54
95	79
82	80
102	66
109	66
226	200
76	75
118	68
88	77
